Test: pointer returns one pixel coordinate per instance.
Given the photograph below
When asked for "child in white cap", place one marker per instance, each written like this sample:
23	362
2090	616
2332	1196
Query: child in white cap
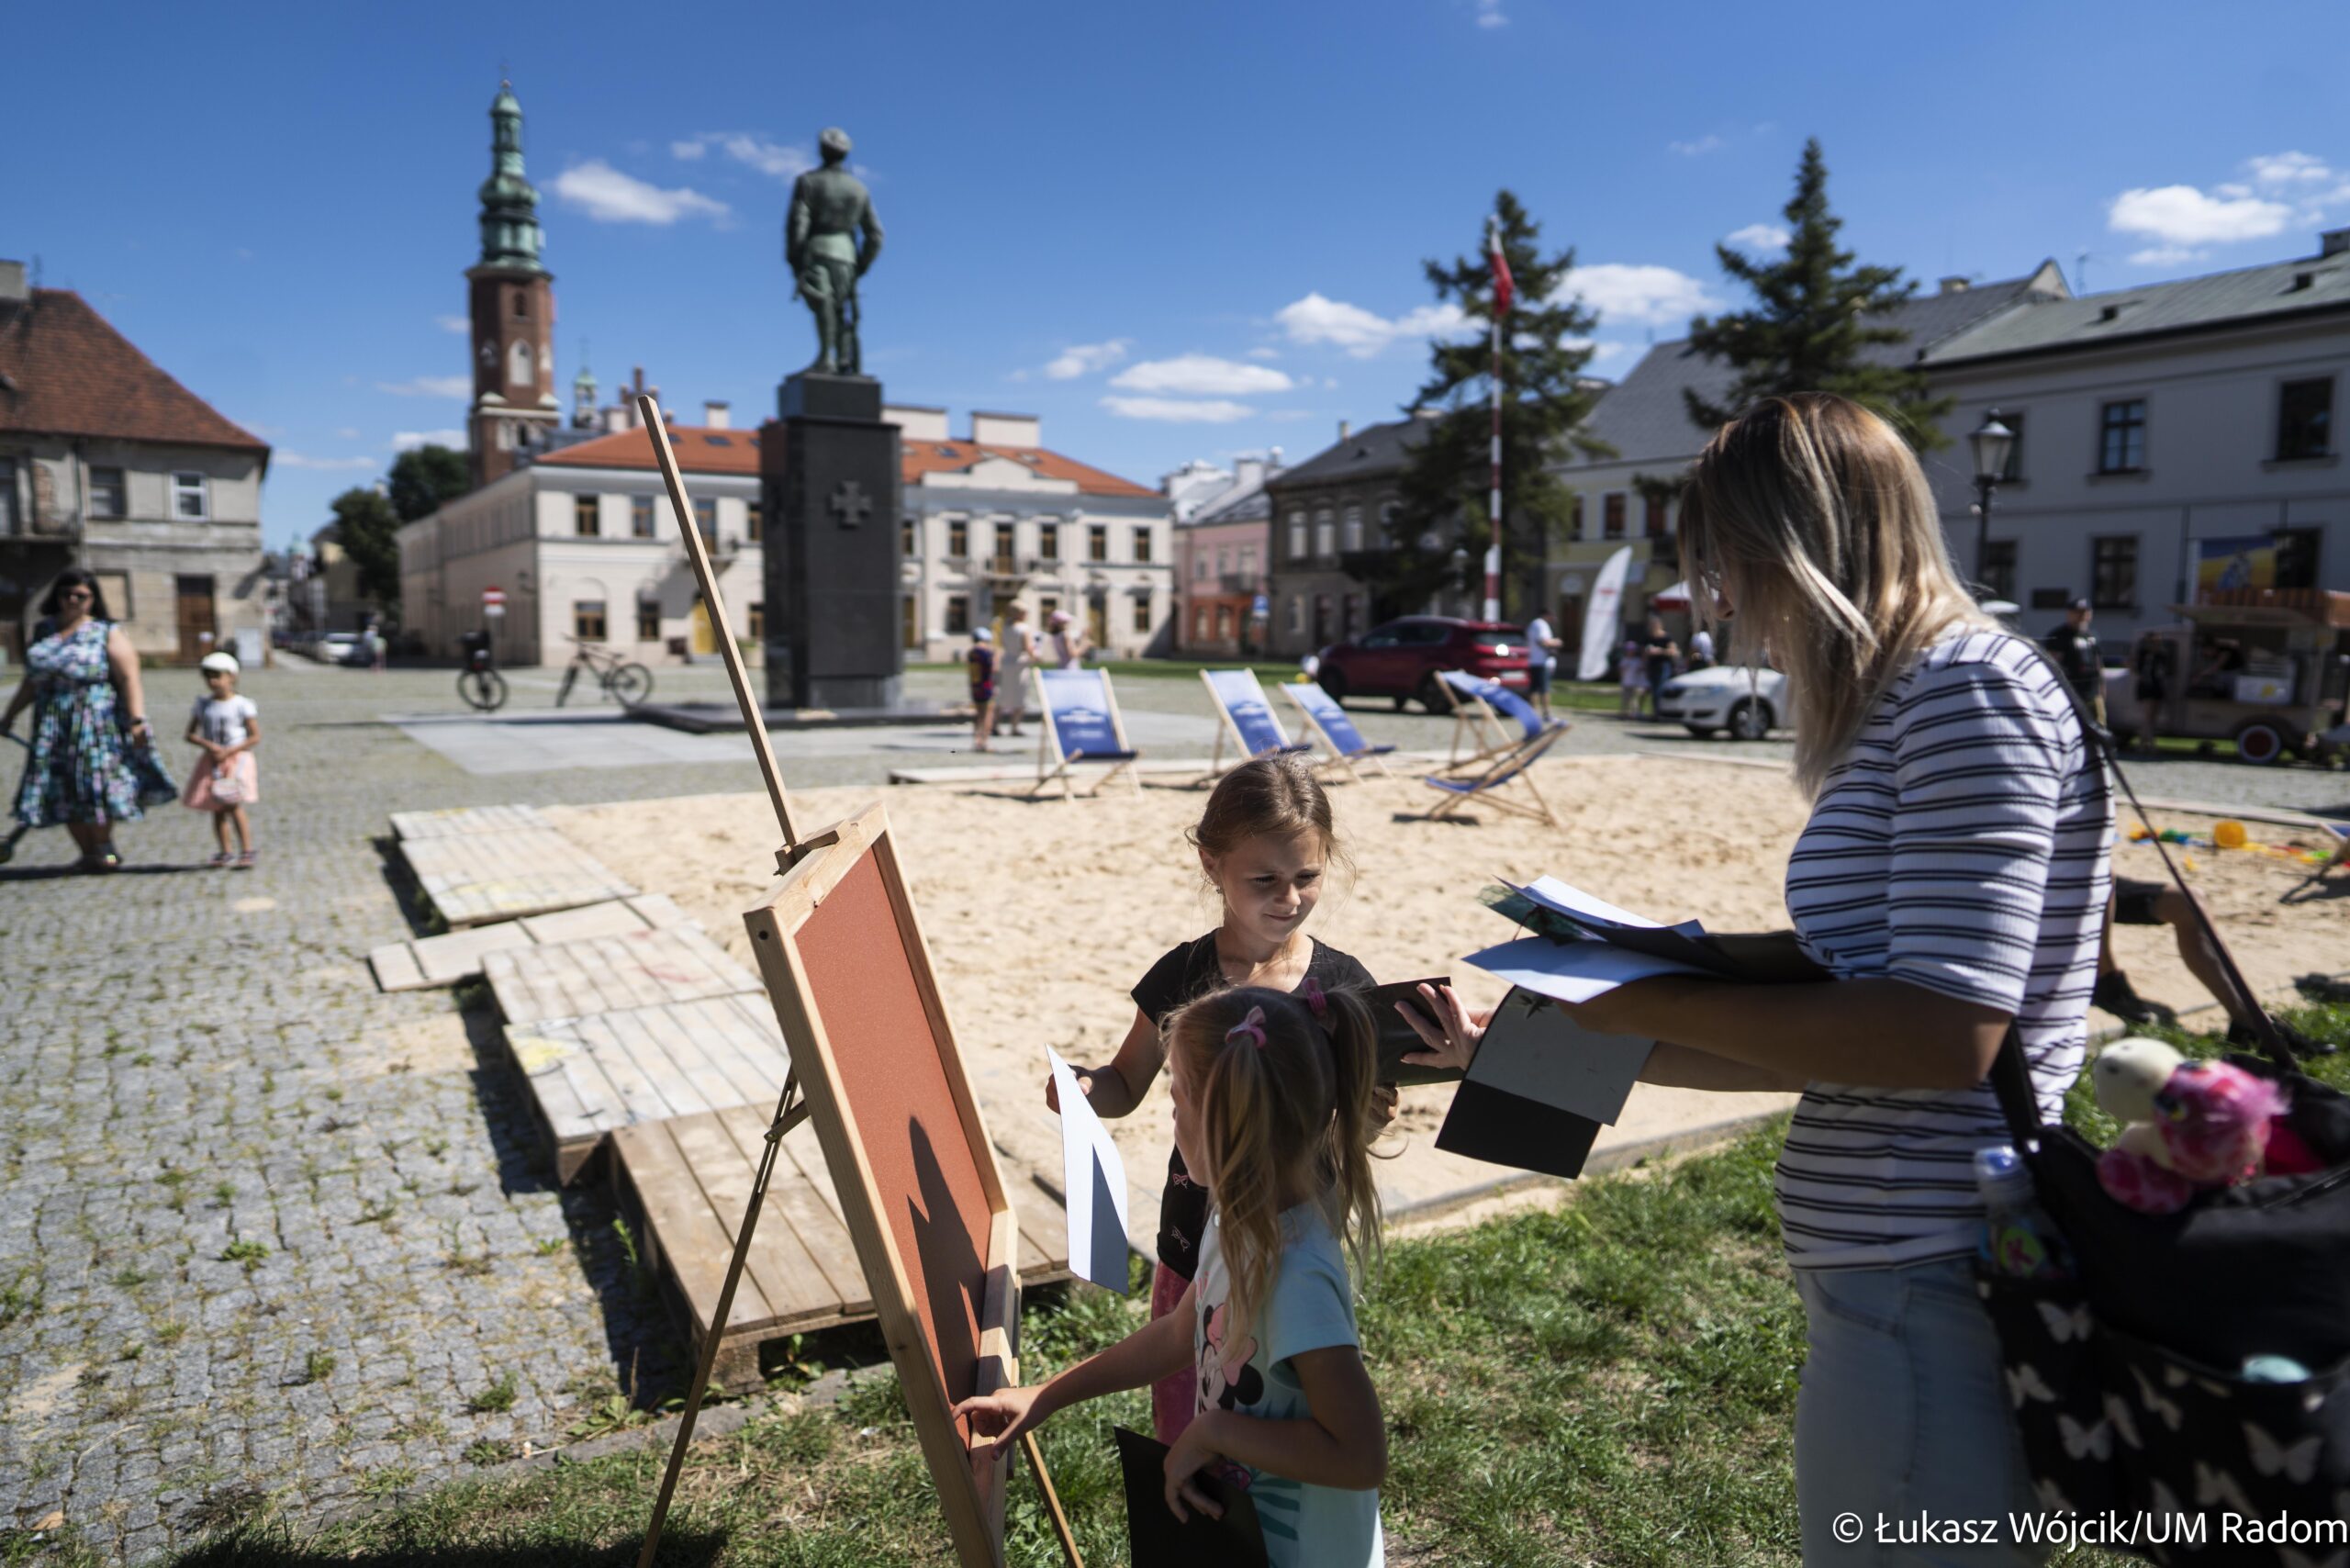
224	726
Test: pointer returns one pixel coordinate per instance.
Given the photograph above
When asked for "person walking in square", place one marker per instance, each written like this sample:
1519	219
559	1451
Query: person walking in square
1064	645
981	662
1018	650
224	726
1541	661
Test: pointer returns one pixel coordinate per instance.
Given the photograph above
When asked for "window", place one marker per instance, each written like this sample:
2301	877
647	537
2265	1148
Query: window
8	495
1574	518
1097	541
584	520
758	622
1200	566
1297	536
1611	514
706	517
1223	620
2121	437
1142	541
1351	528
1142	617
958	538
908	622
754	524
648	620
2000	568
1350	614
1049	540
908	540
521	305
1326	534
189	497
1296	613
517	365
1653	515
2113	572
958	615
587	620
1199	624
1045	606
107	496
2296	557
2305	419
1248	561
1388	513
640	517
2013	472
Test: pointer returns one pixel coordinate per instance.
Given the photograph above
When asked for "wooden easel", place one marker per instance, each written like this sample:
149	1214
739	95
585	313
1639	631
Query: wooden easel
792	1106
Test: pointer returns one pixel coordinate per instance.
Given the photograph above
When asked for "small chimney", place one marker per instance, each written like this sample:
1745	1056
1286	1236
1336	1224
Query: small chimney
1273	461
715	414
2332	243
1954	284
1346	429
618	417
12	282
1247	473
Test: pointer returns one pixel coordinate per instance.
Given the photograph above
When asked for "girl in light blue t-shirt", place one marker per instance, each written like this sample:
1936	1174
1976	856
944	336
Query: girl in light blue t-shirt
1272	1095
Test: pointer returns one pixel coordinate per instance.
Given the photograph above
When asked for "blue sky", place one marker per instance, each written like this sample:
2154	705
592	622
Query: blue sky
1171	231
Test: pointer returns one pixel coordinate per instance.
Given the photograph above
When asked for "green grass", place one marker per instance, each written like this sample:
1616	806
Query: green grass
1610	1381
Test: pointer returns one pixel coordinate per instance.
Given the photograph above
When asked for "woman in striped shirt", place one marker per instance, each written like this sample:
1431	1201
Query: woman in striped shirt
1952	878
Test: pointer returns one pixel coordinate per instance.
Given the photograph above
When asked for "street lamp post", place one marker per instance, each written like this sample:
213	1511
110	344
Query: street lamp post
1992	442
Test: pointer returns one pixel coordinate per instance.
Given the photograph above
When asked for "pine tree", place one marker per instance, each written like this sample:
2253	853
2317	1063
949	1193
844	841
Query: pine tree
1545	345
1812	320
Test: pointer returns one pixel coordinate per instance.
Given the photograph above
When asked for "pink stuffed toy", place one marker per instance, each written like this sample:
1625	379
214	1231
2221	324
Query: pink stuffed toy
2190	1125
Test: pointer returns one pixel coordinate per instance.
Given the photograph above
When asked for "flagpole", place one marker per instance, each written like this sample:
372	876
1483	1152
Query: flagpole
1494	501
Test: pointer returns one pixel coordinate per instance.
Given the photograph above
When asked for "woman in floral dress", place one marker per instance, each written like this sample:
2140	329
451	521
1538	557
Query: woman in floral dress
93	760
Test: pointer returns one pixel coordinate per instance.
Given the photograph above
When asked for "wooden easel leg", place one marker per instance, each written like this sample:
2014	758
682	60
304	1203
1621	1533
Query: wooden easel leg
791	1110
1052	1499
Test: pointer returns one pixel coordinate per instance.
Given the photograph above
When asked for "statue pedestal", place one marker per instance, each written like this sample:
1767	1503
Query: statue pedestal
828	470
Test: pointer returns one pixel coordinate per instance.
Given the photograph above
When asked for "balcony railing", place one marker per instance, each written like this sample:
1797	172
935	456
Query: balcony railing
1240	582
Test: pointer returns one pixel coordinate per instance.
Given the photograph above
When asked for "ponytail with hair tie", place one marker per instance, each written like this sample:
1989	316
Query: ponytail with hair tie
1252	1028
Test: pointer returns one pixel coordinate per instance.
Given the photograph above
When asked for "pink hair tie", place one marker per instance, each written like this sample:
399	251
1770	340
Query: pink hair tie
1250	1028
1312	991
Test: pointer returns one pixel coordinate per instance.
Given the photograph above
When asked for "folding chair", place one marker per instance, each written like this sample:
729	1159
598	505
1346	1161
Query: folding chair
1081	725
1255	729
1483	711
1326	719
1515	766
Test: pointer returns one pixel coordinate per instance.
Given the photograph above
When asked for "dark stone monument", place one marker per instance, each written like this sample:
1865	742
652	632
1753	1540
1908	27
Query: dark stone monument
828	469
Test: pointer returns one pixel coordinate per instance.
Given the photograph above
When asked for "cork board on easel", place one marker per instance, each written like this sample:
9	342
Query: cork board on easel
844	961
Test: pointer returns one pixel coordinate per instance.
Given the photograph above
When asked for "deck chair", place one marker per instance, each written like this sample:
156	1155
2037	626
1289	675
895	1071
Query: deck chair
1255	729
1482	712
1485	785
1327	720
1082	726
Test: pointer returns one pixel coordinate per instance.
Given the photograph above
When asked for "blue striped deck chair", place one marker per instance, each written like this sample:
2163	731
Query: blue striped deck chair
1326	719
1483	711
1255	729
1081	727
1486	785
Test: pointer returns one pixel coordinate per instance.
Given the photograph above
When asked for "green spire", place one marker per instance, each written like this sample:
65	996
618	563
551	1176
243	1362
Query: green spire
509	204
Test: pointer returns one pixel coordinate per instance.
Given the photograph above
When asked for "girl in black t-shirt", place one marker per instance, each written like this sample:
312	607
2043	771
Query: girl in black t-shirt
1265	842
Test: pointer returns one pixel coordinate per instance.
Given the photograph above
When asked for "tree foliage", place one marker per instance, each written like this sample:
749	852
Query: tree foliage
424	476
1545	345
365	525
1815	315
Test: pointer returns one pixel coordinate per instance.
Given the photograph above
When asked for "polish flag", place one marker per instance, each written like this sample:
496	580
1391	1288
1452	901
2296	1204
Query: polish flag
1505	289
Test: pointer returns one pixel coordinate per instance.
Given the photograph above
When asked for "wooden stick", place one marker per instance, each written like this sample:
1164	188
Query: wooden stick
697	553
1052	1499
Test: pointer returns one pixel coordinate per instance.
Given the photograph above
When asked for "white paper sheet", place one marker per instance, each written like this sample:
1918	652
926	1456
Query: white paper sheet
1546	1057
1094	1184
1576	904
1572	971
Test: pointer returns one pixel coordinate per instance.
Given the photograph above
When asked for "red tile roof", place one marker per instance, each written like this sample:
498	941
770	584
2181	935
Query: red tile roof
74	374
701	450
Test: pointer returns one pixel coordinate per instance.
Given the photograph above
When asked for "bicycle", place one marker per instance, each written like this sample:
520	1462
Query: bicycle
478	682
626	681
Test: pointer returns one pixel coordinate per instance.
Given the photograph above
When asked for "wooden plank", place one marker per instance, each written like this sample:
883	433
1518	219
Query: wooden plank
816	1224
460	821
471	878
458	955
395	968
642	968
682	1233
611	918
794	1292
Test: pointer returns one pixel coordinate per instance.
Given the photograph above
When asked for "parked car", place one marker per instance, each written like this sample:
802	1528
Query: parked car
344	648
1400	659
1747	703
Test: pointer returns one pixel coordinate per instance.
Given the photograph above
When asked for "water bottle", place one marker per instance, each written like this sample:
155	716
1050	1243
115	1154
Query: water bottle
2018	1238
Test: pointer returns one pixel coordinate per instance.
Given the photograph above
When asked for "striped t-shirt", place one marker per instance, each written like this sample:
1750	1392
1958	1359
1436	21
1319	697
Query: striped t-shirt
1964	846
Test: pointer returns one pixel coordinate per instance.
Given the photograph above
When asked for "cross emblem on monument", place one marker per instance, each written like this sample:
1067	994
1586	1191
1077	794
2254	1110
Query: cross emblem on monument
849	503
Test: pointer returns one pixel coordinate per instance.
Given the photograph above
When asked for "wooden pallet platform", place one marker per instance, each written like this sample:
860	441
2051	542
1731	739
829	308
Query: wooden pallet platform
474	877
588	1078
684	1185
609	974
458	820
430	961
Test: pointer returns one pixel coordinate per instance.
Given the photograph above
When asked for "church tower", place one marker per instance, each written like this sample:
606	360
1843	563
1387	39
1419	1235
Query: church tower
515	406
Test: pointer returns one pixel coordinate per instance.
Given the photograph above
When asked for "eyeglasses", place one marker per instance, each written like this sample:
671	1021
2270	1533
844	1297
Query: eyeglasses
77	593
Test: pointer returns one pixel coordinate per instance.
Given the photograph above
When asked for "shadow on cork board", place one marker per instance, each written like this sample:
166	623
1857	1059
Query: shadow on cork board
844	960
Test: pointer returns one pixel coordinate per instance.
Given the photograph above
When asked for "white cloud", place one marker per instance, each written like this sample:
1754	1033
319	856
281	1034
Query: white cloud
347	432
748	147
2181	215
1362	333
453	323
284	459
610	196
1201	376
1489	14
430	386
2165	255
1652	295
1698	147
1179	411
1264	354
2288	169
687	151
407	441
1084	359
1758	237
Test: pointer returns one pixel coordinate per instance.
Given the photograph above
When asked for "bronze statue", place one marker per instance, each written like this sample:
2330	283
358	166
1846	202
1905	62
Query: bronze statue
830	210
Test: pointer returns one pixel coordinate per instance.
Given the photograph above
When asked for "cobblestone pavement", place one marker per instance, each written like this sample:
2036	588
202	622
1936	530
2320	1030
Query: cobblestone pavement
267	1232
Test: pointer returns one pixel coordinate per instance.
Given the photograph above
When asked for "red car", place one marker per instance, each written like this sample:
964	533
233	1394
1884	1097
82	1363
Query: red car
1401	658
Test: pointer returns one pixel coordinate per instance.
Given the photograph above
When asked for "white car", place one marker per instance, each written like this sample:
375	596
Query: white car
1748	703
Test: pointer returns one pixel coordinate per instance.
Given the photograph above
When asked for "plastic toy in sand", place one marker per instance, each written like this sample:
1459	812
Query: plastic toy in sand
2230	834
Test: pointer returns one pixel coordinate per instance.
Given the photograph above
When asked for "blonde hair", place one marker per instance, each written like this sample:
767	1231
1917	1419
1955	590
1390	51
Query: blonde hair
1811	515
1266	796
1301	1096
